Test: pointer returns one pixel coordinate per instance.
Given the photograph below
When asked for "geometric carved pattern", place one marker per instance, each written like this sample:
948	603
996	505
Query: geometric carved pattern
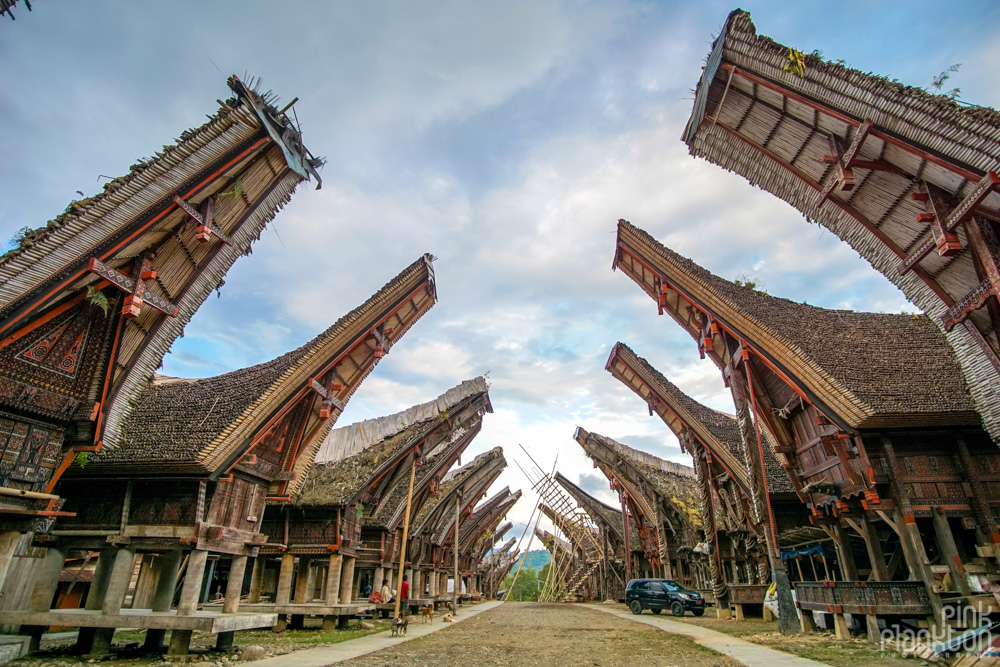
40	349
28	453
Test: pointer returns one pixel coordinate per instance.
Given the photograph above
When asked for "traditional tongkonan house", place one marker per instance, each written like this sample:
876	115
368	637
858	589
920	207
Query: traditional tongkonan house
735	525
194	465
90	303
344	527
907	178
484	519
434	524
661	498
871	421
610	525
494	566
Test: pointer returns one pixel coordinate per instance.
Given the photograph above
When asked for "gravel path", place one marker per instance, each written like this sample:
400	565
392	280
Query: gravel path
546	635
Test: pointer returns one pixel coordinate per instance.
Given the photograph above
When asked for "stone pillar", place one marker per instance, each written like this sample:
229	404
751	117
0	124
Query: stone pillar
257	578
840	627
180	640
347	580
807	622
46	583
167	565
379	576
333	579
284	594
432	579
311	583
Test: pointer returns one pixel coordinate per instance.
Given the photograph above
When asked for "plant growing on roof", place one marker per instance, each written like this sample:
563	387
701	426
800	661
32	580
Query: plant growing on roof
236	191
97	299
796	63
938	83
19	236
359	511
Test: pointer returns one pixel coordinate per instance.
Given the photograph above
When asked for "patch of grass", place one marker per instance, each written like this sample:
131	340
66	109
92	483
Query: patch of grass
819	646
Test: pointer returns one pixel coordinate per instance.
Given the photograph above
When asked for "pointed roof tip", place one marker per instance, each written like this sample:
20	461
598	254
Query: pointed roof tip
640	456
858	361
354	438
199	412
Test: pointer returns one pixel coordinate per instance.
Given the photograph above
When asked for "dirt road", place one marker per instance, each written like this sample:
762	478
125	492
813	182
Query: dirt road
546	635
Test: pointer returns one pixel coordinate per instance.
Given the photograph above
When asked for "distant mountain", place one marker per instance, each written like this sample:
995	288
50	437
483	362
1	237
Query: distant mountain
537	559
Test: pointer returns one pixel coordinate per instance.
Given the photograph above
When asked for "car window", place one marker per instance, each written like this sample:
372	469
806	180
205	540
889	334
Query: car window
670	588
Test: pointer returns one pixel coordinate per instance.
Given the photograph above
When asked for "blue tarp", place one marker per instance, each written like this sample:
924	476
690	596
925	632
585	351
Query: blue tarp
804	551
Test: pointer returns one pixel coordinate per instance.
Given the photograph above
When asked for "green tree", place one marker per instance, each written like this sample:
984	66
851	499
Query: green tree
526	588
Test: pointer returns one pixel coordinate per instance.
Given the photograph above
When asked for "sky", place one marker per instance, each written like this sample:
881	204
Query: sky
504	138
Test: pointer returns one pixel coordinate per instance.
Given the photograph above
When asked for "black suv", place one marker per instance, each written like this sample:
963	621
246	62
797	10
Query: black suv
659	594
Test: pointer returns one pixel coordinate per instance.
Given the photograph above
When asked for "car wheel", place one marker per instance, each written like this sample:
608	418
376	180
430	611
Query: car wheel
656	611
635	606
698	612
677	609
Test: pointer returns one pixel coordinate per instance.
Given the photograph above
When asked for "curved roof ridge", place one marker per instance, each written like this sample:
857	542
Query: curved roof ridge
348	440
865	362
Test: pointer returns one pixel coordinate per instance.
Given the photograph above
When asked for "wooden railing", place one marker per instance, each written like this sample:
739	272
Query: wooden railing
747	593
901	598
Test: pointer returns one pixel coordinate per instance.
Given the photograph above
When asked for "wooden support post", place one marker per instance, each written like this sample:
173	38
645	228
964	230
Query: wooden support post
454	588
234	587
46	583
167	566
8	543
333	579
738	609
806	621
191	590
871	625
845	555
949	551
379	576
302	592
284	594
180	640
840	628
95	597
257	578
406	532
908	525
880	571
311	583
347	579
114	596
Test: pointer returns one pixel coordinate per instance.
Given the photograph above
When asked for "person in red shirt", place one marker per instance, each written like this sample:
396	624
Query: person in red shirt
404	590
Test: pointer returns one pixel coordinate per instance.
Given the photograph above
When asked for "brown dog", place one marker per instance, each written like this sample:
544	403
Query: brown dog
427	613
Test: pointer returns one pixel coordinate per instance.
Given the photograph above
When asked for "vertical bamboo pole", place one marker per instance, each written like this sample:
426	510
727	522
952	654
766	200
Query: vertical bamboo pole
454	588
406	532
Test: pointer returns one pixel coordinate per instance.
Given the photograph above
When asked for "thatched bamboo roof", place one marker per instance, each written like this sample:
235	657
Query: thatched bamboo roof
606	517
198	425
245	146
436	517
773	127
674	483
719	431
7	5
872	369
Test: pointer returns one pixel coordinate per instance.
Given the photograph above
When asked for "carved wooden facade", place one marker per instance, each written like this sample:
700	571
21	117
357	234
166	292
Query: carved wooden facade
90	303
660	498
907	179
874	443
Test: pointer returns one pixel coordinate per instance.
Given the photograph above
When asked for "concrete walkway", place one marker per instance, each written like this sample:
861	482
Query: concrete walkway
752	655
326	655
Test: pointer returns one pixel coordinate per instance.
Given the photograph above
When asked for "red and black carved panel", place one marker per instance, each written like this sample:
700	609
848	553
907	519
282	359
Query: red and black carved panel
155	503
50	370
270	457
28	454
